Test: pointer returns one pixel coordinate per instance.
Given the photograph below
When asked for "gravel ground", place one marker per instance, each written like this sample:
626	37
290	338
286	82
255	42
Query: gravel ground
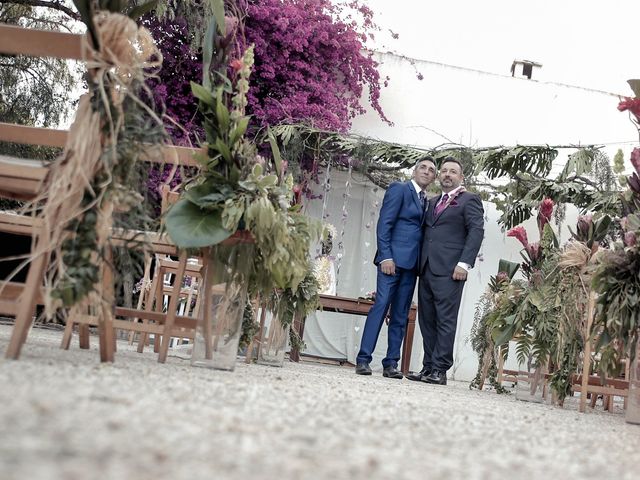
65	415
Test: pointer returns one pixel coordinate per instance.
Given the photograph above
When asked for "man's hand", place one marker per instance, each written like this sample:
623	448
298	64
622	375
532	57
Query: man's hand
388	267
459	273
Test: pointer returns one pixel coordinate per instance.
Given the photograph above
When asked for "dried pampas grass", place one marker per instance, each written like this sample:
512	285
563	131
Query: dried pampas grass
575	255
81	179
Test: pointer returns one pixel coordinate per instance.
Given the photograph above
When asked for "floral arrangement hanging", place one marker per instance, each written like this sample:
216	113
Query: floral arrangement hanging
93	185
500	300
617	279
572	280
533	321
236	191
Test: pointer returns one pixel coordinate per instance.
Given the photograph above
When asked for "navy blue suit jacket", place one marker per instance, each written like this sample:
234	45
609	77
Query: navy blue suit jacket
399	230
453	236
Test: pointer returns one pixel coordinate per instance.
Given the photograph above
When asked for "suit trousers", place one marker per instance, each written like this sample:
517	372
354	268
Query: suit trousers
395	292
438	306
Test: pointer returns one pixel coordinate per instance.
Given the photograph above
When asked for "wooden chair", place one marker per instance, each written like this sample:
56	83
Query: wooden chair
22	299
18	179
21	179
593	385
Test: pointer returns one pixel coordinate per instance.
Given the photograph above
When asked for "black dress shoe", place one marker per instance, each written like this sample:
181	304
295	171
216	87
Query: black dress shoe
363	368
418	376
436	377
392	372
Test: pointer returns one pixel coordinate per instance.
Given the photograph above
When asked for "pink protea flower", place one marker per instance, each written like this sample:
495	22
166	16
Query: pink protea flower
297	194
521	234
631	104
534	251
582	227
635	159
623	223
630	239
545	210
536	279
502	277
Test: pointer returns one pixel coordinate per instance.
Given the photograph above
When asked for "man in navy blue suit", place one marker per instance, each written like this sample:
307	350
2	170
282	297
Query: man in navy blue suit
453	233
399	235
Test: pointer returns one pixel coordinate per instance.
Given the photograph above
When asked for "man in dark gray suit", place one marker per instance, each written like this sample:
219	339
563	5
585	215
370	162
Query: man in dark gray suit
454	229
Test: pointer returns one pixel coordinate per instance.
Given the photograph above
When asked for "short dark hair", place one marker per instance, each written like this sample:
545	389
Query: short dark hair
426	159
452	160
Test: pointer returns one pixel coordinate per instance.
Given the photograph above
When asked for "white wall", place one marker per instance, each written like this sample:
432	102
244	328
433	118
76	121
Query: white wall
479	109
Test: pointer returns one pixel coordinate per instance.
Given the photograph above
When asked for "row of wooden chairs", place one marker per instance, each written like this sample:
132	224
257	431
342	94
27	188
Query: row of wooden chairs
164	309
22	179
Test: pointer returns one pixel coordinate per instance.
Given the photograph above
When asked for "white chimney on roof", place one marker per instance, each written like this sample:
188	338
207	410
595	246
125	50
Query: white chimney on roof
523	68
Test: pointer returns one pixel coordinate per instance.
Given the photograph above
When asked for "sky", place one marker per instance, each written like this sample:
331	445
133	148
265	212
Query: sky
587	43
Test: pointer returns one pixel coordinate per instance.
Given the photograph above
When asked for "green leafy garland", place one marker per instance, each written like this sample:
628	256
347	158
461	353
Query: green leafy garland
586	180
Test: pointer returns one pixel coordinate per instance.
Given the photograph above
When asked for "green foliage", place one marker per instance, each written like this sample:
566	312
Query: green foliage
298	302
617	321
510	268
571	282
618	168
587	180
249	326
127	127
193	227
500	162
618	162
238	190
482	342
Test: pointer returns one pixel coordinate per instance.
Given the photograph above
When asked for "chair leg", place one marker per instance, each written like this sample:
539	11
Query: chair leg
83	334
68	334
586	365
152	296
26	307
173	305
106	332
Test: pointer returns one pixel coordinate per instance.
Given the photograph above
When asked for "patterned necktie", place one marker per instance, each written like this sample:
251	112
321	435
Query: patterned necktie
441	205
422	203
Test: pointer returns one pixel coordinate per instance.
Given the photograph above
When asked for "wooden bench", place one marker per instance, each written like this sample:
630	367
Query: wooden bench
359	306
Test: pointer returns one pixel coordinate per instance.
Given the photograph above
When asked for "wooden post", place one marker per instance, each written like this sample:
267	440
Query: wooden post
105	309
407	344
586	364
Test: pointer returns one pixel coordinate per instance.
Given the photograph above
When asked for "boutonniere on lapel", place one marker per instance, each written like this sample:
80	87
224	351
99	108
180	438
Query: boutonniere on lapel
451	201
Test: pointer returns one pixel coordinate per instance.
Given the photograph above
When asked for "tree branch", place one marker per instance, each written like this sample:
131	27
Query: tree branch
47	4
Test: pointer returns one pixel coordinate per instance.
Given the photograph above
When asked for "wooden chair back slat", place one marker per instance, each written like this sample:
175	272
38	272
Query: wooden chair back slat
16	40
